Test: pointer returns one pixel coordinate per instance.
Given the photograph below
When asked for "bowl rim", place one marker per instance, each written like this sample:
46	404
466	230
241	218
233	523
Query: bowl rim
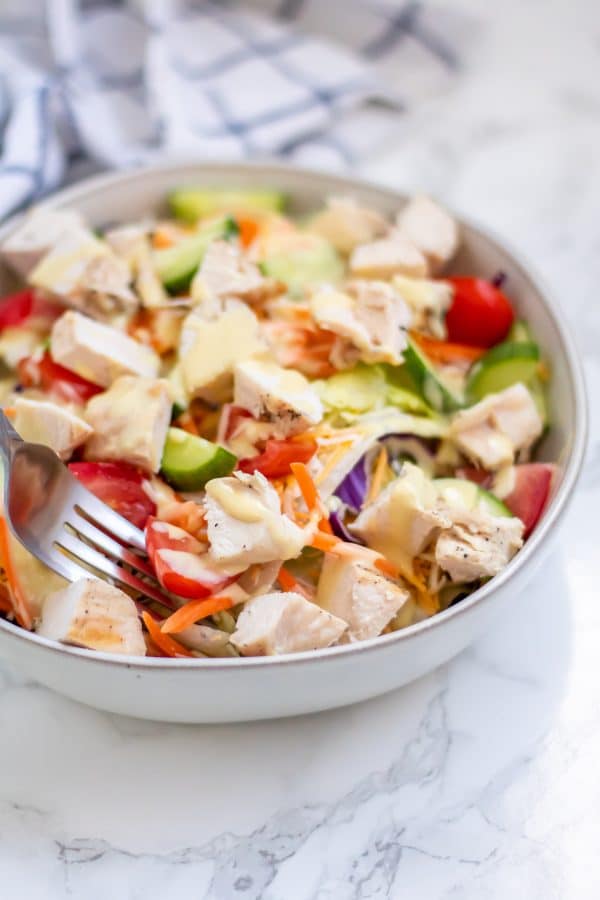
555	512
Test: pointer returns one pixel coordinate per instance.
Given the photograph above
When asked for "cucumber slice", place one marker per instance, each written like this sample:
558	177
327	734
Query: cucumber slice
191	204
502	366
521	331
176	266
460	492
297	268
190	461
429	382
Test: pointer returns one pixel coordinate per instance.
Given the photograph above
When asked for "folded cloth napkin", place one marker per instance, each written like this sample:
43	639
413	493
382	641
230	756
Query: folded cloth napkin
90	84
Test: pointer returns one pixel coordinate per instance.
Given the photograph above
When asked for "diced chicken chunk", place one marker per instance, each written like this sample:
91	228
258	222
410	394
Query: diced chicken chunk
388	256
431	229
245	523
364	599
370	317
225	273
93	614
130	422
429	302
346	224
283	397
54	426
132	244
276	623
98	352
477	544
403	519
211	353
39	231
491	432
82	271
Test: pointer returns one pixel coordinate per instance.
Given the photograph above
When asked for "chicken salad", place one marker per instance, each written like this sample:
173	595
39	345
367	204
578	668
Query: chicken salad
323	435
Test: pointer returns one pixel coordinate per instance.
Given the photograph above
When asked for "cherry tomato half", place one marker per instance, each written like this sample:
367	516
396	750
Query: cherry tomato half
120	486
480	314
277	457
181	564
65	385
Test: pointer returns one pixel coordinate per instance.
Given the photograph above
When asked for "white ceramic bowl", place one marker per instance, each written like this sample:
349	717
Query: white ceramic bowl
261	688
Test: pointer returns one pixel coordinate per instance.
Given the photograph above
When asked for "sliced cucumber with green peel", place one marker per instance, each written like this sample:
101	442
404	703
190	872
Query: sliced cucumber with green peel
178	391
296	268
460	492
502	366
190	461
429	382
188	204
176	266
521	331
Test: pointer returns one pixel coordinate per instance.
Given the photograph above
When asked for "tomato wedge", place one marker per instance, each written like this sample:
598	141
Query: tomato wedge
530	495
16	309
480	314
119	485
181	564
276	459
59	382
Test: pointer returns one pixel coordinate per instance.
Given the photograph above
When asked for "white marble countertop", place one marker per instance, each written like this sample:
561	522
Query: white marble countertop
480	780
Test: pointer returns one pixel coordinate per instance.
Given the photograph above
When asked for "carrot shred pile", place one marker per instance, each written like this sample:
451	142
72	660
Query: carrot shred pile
166	644
193	611
17	596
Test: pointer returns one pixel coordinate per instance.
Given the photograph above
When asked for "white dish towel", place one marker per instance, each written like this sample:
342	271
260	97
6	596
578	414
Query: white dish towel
90	84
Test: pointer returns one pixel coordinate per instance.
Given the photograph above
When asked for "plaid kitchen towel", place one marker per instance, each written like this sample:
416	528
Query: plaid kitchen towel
90	84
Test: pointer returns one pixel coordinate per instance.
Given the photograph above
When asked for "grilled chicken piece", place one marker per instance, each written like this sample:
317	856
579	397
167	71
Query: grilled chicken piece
477	544
42	422
431	229
211	349
98	352
276	623
429	302
364	599
403	519
93	614
492	431
388	256
40	230
346	224
225	273
282	397
130	422
246	525
370	317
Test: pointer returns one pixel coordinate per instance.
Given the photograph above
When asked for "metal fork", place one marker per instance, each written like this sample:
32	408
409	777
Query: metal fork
65	526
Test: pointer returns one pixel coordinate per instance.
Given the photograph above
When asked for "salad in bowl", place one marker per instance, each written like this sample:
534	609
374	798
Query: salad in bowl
323	436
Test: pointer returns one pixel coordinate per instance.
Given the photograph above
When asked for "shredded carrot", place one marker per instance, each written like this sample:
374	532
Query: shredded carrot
164	643
447	352
161	240
325	542
248	228
324	525
306	484
388	568
378	476
9	411
17	595
193	611
286	580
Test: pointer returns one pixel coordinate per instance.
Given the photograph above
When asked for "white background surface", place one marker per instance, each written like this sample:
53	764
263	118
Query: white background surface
479	781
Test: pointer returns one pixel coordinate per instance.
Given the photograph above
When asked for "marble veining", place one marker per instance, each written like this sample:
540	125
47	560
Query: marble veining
479	782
